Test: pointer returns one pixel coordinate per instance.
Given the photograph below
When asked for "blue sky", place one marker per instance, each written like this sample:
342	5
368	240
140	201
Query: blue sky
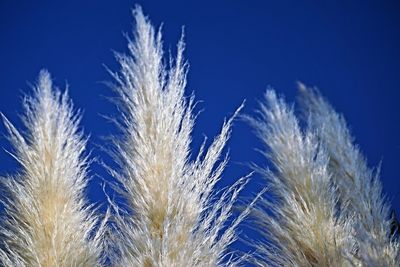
235	49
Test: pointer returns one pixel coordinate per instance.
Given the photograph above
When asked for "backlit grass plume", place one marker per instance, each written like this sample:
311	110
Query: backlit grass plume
173	216
47	222
359	188
300	224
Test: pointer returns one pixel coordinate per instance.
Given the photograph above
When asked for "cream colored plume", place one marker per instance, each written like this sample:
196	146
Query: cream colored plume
359	188
174	217
300	222
47	222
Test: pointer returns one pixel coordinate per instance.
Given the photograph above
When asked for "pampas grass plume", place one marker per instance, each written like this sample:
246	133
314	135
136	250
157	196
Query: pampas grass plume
173	216
47	221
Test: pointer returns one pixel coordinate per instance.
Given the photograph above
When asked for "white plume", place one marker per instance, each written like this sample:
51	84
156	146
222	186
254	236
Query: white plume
300	224
174	217
359	188
47	221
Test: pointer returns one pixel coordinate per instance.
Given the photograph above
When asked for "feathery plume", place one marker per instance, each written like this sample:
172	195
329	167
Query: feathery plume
173	217
300	224
47	222
359	187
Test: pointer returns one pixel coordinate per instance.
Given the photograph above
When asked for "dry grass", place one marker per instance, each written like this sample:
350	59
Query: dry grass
172	218
47	222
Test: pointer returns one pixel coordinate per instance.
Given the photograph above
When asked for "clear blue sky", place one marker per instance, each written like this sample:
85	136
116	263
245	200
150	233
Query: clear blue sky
350	51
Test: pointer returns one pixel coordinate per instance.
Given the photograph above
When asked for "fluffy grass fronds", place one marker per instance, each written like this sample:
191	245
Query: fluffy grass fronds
359	187
173	217
300	224
47	222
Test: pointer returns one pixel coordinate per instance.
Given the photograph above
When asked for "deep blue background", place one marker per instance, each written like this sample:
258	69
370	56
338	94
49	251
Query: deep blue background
235	49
